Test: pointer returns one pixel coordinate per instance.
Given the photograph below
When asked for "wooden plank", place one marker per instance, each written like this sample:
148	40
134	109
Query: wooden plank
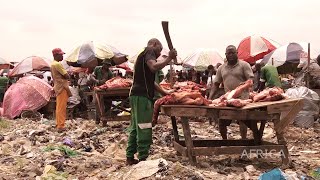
186	112
219	143
244	115
166	110
284	122
188	140
114	92
209	151
278	108
116	118
254	105
180	148
265	104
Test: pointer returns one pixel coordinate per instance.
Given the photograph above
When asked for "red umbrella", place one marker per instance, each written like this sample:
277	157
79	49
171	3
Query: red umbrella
30	64
253	48
28	93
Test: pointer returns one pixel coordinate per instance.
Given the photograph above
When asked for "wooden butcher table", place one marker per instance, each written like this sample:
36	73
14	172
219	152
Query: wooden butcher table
251	114
117	94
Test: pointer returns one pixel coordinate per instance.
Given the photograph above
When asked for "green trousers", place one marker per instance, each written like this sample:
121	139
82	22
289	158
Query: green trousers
140	130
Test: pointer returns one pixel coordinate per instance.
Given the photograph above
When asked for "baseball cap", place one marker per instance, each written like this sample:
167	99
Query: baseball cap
57	51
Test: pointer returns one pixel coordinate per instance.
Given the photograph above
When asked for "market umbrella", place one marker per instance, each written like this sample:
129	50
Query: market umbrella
289	53
202	58
28	93
287	56
253	48
30	64
164	54
91	54
5	64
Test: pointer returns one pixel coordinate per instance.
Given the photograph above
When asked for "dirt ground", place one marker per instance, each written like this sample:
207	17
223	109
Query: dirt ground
28	148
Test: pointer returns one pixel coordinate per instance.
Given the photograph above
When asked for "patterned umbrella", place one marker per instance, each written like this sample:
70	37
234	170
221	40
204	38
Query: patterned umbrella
289	53
29	93
30	64
89	53
5	64
202	58
254	47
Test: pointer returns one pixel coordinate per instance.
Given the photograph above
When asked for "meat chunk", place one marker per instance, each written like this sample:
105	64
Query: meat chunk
269	94
240	89
238	102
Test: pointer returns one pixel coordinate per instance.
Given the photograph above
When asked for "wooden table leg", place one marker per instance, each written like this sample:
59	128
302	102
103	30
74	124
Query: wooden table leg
188	140
281	140
175	128
255	132
261	129
98	107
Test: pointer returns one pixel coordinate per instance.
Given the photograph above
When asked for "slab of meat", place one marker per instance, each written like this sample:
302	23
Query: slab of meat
238	102
116	82
233	95
182	97
239	90
269	94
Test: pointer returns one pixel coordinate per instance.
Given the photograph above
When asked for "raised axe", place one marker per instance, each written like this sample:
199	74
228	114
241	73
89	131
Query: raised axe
165	27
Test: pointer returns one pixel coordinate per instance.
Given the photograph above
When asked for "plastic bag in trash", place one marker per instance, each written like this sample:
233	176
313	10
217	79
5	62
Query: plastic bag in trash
310	110
275	174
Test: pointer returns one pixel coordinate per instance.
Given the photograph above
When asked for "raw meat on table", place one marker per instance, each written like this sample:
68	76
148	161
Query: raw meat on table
182	97
116	82
269	94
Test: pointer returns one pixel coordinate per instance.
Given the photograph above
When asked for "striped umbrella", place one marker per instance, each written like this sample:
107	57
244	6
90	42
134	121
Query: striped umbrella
202	58
89	53
30	64
289	53
253	48
5	64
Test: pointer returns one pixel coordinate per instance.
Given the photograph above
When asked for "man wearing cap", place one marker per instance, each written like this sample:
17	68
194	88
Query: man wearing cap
61	88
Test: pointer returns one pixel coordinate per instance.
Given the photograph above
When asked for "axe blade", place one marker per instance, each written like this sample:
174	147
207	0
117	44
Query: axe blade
165	27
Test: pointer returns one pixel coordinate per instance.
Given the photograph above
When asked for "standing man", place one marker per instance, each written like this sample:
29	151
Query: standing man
141	99
269	76
231	74
61	88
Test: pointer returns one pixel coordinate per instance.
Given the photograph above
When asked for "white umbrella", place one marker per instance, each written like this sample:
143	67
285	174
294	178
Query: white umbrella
202	58
289	53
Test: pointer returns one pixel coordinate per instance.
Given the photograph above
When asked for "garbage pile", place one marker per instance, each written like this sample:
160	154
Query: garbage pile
35	150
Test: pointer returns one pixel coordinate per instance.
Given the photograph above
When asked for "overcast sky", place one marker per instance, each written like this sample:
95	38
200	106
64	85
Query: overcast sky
35	27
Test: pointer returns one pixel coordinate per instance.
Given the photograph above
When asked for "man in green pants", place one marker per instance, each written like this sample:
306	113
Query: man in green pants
141	99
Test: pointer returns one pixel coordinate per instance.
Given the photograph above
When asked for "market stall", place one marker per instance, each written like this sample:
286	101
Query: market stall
116	90
250	114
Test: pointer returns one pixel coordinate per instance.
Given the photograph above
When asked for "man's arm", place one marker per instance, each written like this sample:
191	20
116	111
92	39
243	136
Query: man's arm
160	90
157	65
214	89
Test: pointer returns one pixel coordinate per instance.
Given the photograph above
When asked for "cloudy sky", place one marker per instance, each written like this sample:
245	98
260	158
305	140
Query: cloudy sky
35	27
